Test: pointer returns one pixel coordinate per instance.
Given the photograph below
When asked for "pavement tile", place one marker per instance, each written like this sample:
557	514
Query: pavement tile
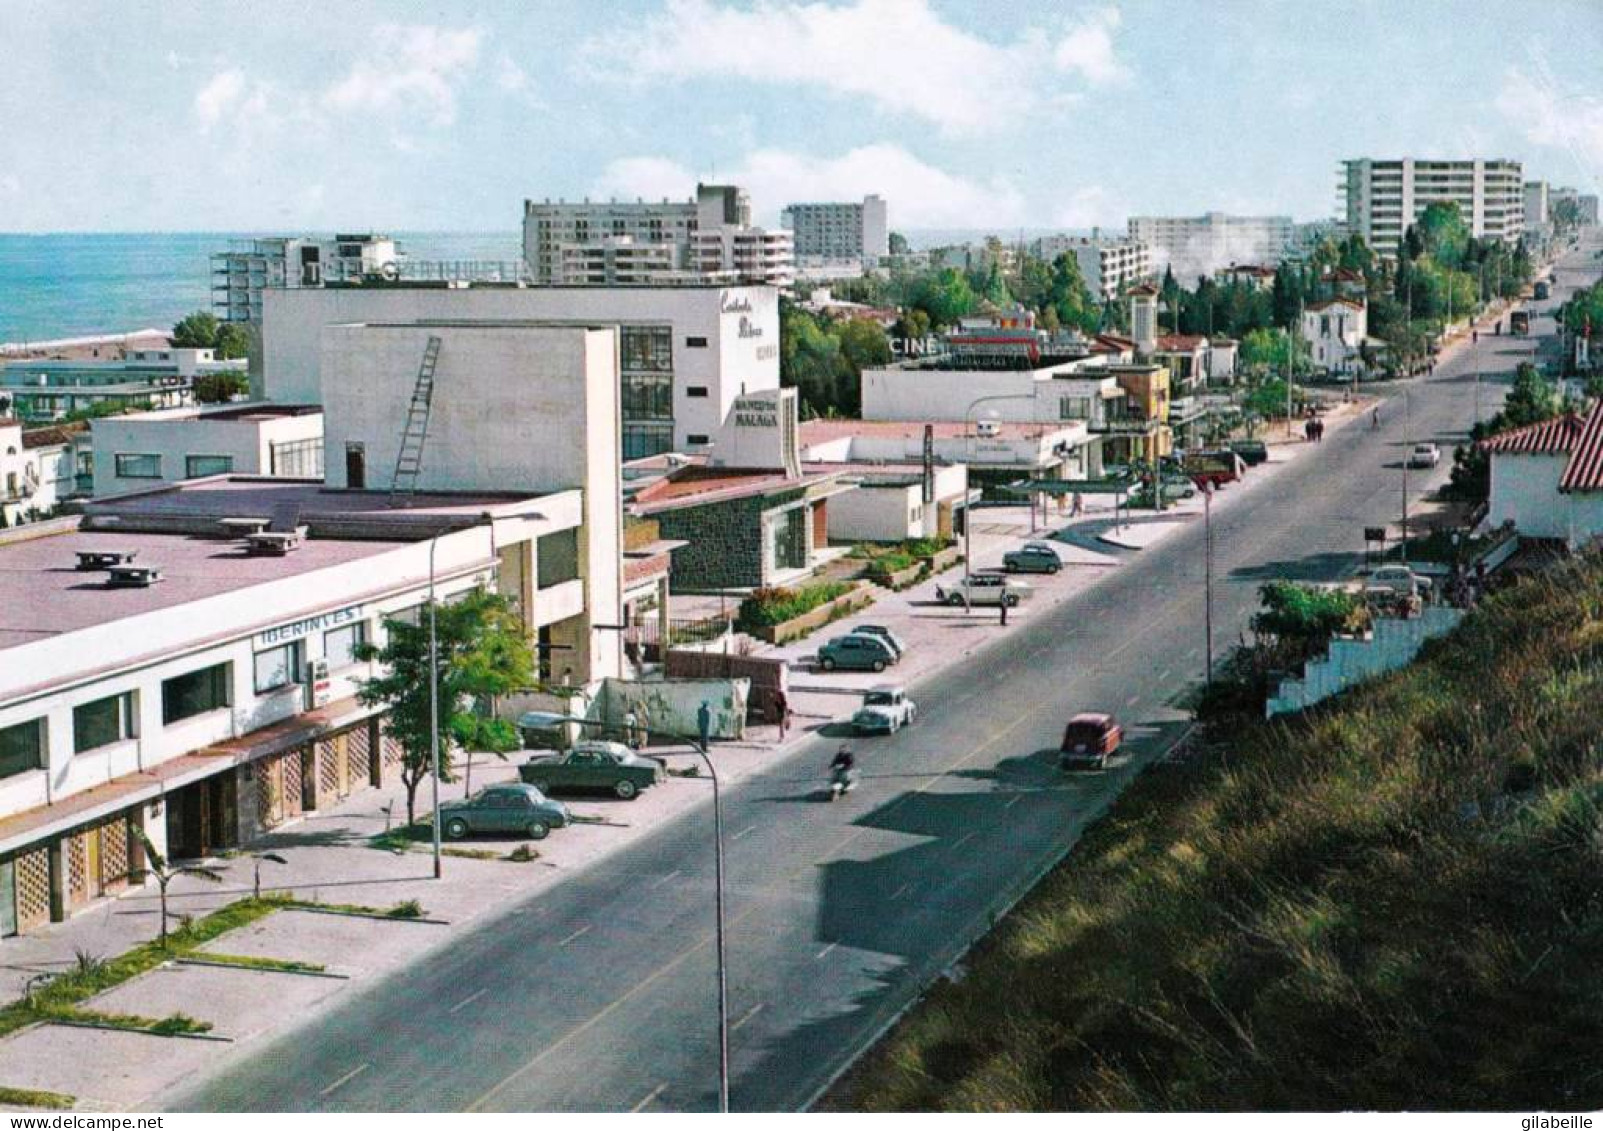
104	1069
238	1003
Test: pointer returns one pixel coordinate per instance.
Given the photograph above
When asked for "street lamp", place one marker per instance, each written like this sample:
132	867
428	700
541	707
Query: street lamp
1408	452
1207	557
704	719
968	507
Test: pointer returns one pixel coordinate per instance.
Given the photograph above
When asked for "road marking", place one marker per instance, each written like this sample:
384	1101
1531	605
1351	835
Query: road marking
897	894
664	879
744	831
1131	702
584	930
747	1016
826	950
1014	800
707	938
467	1001
651	1095
1164	674
966	837
345	1079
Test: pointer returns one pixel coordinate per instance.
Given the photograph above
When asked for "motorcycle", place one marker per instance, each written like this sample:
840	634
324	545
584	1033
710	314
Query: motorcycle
841	781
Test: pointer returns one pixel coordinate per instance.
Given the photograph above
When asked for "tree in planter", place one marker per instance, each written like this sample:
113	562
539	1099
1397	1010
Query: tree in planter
158	868
484	653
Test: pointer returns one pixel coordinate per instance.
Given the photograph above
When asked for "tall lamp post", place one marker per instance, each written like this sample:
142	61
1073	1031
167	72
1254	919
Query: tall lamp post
968	507
699	745
1408	452
1207	557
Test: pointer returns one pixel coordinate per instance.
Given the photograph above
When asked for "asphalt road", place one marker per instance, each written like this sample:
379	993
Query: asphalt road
602	991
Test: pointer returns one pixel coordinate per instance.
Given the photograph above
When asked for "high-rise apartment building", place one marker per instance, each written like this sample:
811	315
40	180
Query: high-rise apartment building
709	238
241	274
1382	198
839	232
1109	266
1192	246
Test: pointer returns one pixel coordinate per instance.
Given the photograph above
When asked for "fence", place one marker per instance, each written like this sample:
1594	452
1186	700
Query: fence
768	677
645	641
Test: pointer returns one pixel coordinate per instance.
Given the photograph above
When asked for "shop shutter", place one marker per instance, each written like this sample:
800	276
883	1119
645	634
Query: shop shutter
77	853
114	863
359	749
33	889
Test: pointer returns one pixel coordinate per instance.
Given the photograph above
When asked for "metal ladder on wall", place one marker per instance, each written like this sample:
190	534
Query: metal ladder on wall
409	460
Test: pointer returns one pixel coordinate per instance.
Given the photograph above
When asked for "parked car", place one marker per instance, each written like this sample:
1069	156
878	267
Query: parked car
983	589
864	653
1252	452
1033	557
884	633
593	765
513	809
1424	455
885	710
1215	468
1090	740
1398	580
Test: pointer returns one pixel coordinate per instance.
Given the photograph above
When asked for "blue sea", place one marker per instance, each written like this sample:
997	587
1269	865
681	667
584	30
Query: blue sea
61	286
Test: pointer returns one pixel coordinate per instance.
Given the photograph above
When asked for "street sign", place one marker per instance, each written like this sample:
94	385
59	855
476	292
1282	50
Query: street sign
1374	534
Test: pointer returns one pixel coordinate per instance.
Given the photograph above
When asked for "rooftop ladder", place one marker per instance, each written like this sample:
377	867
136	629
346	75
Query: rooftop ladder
409	460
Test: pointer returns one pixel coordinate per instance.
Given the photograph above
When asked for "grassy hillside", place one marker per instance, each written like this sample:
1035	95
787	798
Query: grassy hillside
1395	902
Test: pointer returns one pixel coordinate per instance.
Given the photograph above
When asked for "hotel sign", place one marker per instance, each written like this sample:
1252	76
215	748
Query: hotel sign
296	630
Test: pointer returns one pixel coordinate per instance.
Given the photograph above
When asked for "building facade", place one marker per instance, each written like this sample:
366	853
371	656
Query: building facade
685	353
38	470
1109	266
1195	246
1382	198
1336	331
142	450
241	274
841	232
146	378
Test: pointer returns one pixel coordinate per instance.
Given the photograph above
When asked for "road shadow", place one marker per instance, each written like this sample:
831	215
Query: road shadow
1327	566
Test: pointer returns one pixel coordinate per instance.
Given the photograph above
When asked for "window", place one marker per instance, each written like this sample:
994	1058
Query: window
695	342
412	615
696	391
697	438
277	667
134	465
557	557
197	466
195	693
297	459
646	349
646	397
340	644
642	440
22	748
103	722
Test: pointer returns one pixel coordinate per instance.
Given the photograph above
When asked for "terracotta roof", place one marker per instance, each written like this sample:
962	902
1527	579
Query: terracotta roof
54	435
1142	289
1329	302
1546	437
1346	275
1181	343
1111	343
690	481
1585	470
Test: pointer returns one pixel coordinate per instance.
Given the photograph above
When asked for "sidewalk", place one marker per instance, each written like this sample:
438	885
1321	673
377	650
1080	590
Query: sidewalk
329	858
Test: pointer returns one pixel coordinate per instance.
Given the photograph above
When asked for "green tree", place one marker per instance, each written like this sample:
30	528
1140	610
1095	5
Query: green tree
898	244
232	341
164	873
1072	299
196	331
1531	399
1443	233
484	653
220	388
945	296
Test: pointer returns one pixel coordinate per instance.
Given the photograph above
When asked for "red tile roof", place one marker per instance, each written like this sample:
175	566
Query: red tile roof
1329	302
1111	343
1181	343
694	480
1547	437
53	435
1585	470
1142	289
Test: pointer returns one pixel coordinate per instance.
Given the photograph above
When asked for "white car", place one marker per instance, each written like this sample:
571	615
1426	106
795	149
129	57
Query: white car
983	589
886	709
1425	455
1397	579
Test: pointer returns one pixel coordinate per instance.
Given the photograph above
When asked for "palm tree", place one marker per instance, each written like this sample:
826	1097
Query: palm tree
157	868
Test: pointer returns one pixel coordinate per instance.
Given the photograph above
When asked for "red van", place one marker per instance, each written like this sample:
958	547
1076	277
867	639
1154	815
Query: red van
1090	740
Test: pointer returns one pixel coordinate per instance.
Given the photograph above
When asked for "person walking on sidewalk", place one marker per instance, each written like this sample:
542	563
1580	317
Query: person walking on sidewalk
782	712
1078	507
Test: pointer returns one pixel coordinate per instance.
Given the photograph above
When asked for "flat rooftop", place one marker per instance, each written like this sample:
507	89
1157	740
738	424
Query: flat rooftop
248	496
823	431
249	411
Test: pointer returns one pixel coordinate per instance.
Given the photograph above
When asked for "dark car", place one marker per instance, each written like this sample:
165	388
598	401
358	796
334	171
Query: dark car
1090	740
864	653
510	810
1215	468
1252	452
604	766
1032	557
884	633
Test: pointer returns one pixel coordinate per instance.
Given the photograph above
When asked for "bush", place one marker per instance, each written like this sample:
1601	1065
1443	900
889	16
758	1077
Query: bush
770	606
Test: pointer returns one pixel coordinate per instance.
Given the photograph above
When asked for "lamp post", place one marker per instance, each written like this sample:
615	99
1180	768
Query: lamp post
1408	451
699	745
968	507
1207	557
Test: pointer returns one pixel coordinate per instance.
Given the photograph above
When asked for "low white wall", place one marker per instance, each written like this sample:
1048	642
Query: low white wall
670	706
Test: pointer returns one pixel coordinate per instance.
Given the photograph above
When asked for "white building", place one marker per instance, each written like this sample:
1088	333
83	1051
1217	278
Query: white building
1383	198
144	378
1535	195
839	233
1547	478
1585	204
710	235
616	261
38	469
142	450
1194	246
893	501
240	275
687	352
1109	266
1335	331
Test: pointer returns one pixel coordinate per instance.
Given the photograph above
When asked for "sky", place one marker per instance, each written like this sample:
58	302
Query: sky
279	115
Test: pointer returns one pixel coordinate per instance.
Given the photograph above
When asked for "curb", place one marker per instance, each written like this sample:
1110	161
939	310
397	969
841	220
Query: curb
369	915
71	1024
259	969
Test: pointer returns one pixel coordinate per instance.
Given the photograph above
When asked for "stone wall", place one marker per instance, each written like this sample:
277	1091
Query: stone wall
725	539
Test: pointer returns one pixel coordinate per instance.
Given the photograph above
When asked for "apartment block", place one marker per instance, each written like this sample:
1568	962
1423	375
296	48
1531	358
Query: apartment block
1383	198
839	232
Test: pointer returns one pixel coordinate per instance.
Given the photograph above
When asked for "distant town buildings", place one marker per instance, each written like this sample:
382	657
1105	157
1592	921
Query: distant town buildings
90	347
142	450
708	238
1194	246
1109	265
241	274
843	233
1383	198
1585	203
38	469
144	378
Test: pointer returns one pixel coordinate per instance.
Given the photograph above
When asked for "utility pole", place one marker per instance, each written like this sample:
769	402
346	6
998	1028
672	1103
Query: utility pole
1408	450
1207	557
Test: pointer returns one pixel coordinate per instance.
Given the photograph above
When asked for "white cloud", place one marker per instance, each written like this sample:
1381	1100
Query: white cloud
1089	207
1549	117
897	55
509	76
1087	49
921	195
415	66
10	185
219	96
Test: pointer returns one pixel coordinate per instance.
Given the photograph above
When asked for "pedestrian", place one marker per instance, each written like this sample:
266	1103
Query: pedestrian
642	727
631	723
1079	505
1374	418
781	712
1004	603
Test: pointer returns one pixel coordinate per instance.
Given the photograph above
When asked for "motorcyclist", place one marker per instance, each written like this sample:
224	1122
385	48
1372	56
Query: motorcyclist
844	768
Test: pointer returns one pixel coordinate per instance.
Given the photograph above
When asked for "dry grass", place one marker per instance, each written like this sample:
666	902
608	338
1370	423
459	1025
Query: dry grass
1394	902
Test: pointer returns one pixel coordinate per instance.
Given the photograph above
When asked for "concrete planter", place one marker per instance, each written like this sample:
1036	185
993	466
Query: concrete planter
944	560
901	578
798	627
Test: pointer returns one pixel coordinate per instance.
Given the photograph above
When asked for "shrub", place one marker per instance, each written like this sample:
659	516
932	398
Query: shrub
770	606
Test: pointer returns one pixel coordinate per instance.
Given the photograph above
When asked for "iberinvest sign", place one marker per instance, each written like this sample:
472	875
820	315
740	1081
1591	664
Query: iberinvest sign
284	633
